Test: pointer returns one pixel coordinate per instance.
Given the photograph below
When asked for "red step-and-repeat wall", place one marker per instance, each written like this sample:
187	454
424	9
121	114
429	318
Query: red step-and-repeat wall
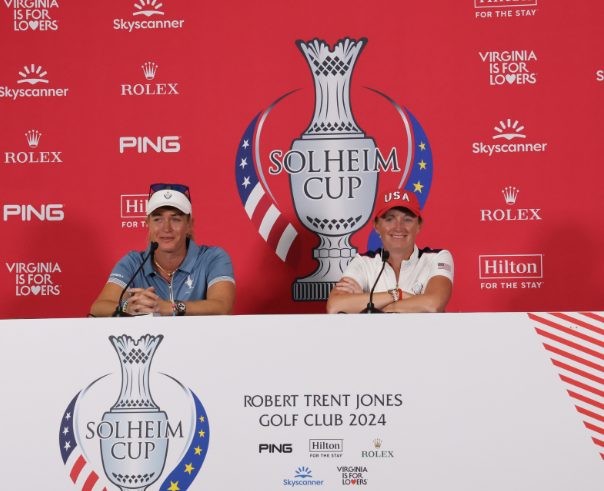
285	119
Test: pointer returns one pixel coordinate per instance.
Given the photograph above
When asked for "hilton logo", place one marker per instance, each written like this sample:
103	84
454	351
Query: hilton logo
500	5
326	445
134	206
511	266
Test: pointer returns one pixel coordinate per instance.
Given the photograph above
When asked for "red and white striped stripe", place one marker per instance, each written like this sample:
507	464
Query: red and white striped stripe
82	474
272	226
575	343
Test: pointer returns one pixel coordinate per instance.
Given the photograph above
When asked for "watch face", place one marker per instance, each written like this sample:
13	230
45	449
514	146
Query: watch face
181	307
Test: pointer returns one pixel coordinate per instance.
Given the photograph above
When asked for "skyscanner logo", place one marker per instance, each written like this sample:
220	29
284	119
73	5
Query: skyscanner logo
167	144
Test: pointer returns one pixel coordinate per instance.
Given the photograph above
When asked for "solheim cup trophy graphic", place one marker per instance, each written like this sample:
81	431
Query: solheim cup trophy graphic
136	460
334	193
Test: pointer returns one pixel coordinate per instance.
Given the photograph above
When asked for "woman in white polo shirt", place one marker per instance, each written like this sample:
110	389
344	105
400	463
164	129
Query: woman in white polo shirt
414	280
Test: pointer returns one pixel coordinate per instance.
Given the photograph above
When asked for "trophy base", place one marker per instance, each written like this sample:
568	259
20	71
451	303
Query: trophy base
311	291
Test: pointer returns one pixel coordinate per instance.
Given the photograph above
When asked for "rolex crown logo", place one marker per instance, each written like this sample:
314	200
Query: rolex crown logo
33	138
149	70
377	442
510	194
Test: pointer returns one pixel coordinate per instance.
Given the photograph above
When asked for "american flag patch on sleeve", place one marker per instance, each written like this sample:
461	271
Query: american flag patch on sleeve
444	266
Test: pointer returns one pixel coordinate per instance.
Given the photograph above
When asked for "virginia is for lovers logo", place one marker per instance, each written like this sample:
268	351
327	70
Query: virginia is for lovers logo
134	444
333	169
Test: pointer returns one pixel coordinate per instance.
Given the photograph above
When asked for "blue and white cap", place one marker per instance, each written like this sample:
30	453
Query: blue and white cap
169	197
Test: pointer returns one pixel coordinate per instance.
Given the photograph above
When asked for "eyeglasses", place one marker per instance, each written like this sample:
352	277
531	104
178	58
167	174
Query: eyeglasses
181	188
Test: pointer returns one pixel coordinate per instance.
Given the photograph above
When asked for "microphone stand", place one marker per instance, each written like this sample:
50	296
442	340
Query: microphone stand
370	307
118	310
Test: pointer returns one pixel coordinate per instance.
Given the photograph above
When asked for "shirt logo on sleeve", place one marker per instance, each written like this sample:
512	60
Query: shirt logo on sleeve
444	266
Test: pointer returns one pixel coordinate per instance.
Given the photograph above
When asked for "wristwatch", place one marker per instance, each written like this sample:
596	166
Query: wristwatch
181	308
395	294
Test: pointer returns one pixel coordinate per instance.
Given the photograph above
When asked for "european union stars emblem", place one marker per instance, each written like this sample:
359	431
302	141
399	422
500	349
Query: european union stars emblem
187	469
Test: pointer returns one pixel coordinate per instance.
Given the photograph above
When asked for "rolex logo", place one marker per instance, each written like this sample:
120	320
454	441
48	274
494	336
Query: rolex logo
32	76
510	194
511	131
149	70
33	138
377	443
148	8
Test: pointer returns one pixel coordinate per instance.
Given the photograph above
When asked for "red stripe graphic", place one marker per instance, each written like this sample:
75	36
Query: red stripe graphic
578	372
588	388
275	234
590	414
593	316
566	330
261	209
587	400
580	323
598	387
578	359
294	254
90	482
77	468
595	428
598	442
570	344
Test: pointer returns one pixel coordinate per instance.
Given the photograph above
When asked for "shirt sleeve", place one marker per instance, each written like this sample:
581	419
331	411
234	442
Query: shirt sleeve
122	271
358	271
442	265
220	267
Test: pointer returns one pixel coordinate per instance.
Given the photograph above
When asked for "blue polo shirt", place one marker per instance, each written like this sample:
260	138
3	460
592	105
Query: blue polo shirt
203	266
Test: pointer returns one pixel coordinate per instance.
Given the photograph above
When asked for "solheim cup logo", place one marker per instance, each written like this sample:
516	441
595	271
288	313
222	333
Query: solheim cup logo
333	207
132	440
334	170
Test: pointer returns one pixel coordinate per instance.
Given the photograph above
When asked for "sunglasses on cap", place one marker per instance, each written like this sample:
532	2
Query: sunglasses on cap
181	188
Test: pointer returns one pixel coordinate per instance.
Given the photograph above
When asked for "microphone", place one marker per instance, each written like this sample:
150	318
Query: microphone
118	311
370	307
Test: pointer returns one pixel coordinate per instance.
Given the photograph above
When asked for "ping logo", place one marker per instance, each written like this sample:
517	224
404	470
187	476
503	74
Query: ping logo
272	448
52	213
167	144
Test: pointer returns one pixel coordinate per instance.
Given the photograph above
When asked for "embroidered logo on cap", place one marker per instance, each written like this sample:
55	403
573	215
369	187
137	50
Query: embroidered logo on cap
168	195
397	195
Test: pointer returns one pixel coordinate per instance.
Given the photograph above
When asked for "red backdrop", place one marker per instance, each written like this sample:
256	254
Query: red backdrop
228	61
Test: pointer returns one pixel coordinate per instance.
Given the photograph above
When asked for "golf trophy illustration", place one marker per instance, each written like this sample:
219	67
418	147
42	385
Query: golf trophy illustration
335	194
133	450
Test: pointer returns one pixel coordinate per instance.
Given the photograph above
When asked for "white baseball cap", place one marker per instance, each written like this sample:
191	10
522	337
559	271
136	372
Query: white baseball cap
169	197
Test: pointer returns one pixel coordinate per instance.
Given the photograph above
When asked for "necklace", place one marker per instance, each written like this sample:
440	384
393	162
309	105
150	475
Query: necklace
157	264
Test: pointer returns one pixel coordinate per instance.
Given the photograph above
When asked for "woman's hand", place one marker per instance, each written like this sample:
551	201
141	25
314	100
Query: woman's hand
145	300
348	285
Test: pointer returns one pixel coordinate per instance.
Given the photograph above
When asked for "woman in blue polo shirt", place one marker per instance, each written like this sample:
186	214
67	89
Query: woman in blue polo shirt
180	278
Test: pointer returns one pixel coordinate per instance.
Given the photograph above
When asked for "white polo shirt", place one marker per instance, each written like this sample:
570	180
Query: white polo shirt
415	272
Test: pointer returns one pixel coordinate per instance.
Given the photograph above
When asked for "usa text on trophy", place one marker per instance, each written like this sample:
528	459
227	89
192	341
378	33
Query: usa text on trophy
335	188
133	433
